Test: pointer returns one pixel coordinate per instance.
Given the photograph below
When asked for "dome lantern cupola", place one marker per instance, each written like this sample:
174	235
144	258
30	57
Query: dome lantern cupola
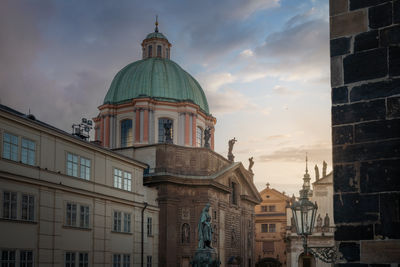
156	45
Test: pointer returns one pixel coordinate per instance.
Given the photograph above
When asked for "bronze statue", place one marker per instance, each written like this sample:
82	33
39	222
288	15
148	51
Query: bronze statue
324	165
204	228
207	135
316	172
231	143
251	163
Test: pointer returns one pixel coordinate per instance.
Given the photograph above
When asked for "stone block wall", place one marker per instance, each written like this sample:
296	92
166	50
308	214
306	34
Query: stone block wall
365	80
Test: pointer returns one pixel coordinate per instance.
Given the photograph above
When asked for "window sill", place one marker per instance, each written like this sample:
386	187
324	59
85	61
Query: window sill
77	228
124	233
18	221
150	235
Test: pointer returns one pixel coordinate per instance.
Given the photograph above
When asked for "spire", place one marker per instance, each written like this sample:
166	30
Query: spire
156	29
306	163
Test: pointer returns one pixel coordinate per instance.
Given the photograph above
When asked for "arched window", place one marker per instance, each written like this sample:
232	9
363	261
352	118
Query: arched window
158	50
167	54
199	137
126	133
162	124
150	51
185	233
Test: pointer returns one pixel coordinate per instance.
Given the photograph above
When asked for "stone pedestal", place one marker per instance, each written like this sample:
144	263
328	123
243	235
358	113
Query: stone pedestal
205	257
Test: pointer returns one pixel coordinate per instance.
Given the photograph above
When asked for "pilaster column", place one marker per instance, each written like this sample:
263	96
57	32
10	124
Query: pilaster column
187	127
107	132
212	138
146	125
102	130
137	126
194	124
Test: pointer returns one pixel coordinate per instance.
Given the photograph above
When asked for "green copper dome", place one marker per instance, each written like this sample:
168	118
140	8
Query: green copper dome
156	35
158	78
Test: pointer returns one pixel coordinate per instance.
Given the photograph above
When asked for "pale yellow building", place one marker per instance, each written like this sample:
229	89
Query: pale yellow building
270	228
67	202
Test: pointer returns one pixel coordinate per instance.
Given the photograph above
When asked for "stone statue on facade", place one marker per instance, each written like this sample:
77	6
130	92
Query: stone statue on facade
324	166
319	223
231	142
204	228
326	223
207	136
251	163
205	255
168	132
316	172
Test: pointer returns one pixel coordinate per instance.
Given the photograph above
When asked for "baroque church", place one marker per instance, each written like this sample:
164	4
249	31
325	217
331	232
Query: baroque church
157	113
133	196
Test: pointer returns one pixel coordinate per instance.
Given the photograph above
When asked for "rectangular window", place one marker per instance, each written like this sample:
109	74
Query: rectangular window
26	258
126	260
127	181
70	259
10	146
149	226
158	50
117	221
264	208
27	207
272	228
71	214
116	260
85	168
28	151
84	216
9	205
264	228
272	208
72	165
127	223
199	137
83	259
8	258
118	178
149	261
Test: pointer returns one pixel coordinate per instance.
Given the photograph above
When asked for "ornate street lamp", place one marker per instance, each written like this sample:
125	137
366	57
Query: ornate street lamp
304	216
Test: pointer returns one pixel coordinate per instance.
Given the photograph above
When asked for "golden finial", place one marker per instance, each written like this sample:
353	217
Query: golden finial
156	29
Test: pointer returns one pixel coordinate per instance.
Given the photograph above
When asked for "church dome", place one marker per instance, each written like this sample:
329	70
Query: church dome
157	78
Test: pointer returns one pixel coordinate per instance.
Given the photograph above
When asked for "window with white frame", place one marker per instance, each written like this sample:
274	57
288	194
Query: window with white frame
8	258
27	207
10	146
149	261
121	260
122	179
127	181
149	226
70	218
85	168
75	259
117	221
9	205
78	165
199	137
84	216
26	258
28	151
83	259
121	222
77	215
70	259
127	222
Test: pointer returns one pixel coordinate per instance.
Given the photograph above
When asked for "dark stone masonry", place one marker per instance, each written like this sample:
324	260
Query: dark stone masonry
365	80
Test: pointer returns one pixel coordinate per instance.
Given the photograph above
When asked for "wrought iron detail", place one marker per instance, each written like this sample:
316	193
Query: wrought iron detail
326	254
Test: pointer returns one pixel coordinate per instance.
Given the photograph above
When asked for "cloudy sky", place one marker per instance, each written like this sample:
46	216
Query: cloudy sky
263	64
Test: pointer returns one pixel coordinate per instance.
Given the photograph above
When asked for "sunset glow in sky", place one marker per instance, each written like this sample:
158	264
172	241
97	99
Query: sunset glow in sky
263	64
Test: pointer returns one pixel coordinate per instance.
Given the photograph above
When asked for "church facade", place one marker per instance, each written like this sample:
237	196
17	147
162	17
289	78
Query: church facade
157	113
